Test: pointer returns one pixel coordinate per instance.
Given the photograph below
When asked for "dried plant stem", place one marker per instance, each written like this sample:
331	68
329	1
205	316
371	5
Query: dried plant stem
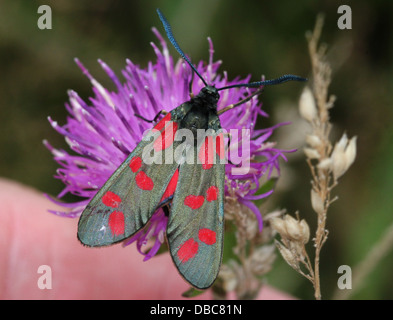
326	164
321	129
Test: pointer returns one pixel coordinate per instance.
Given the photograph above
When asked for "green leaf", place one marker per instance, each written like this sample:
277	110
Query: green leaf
162	250
229	243
192	292
267	186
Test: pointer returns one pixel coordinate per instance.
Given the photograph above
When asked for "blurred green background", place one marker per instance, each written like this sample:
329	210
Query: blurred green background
257	37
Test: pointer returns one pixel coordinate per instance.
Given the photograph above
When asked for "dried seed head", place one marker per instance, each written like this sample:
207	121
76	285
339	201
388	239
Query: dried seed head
338	157
307	107
278	224
343	155
313	140
297	249
316	202
311	153
325	164
292	229
262	259
350	152
252	229
288	256
305	231
229	278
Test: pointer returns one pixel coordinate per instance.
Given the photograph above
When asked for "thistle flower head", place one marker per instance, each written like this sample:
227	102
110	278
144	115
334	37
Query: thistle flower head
103	131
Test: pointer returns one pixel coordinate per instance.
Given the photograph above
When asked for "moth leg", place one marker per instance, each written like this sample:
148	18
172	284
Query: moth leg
233	105
155	118
229	144
166	210
229	139
190	86
166	203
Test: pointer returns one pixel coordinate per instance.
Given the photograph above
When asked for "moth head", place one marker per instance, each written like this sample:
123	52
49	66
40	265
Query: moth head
209	94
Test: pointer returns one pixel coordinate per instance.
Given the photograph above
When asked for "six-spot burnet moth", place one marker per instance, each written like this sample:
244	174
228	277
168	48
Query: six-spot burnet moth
190	187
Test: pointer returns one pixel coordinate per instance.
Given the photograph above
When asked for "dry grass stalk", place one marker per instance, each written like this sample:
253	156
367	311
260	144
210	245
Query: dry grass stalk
254	253
326	163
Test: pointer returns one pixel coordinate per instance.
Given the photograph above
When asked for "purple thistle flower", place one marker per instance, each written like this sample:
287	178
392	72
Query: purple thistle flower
104	131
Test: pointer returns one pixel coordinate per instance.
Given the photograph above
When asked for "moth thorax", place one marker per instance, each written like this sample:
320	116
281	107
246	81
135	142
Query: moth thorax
194	120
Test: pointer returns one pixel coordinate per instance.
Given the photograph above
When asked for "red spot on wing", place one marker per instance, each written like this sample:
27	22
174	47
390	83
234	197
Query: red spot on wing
220	149
194	202
207	236
135	164
143	181
212	193
206	153
116	223
187	250
111	199
167	136
161	124
170	189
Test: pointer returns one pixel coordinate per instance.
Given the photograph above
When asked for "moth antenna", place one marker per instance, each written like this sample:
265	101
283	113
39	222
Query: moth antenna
282	79
172	39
